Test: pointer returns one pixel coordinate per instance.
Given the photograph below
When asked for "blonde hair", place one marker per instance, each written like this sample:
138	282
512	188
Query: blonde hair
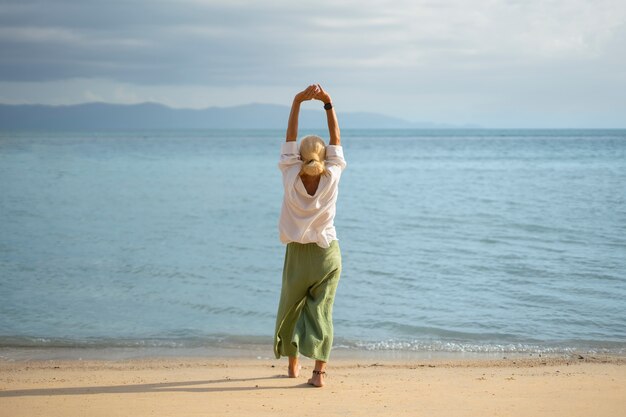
313	154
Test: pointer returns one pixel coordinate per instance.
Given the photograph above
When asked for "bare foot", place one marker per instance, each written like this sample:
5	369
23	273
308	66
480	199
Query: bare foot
294	372
294	367
317	380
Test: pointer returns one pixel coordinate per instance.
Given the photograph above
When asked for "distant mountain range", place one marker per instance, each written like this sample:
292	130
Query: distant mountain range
157	116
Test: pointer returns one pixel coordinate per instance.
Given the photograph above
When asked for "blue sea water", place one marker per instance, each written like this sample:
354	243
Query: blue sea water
469	240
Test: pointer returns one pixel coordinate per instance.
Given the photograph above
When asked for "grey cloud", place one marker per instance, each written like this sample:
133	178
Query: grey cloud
158	42
421	58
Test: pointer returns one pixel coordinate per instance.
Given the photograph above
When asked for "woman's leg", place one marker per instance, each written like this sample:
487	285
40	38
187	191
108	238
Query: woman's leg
318	374
292	298
293	369
316	322
314	328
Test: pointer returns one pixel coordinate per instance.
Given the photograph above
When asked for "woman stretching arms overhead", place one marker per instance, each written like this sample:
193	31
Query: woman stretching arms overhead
311	174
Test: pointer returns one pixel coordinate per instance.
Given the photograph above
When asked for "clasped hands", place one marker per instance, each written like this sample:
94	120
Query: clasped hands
313	92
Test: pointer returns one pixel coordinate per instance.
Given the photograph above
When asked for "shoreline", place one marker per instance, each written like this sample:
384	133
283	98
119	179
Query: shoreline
363	360
546	386
265	352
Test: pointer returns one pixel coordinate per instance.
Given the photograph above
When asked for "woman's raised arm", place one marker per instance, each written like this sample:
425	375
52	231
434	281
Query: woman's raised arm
292	126
331	116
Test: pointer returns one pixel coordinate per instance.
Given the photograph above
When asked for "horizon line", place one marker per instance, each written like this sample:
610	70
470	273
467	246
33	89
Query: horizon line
442	127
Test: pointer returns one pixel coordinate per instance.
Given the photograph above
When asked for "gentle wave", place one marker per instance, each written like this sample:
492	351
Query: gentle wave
255	343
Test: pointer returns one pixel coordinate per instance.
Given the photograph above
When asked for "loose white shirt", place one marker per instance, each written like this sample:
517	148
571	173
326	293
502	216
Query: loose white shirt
308	218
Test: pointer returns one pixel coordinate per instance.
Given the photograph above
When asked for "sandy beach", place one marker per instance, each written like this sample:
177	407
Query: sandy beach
573	386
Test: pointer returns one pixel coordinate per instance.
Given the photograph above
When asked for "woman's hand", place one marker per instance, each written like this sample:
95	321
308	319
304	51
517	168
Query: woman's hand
308	94
292	125
322	95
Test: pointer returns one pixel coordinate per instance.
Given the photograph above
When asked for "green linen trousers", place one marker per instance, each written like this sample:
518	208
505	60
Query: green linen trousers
304	323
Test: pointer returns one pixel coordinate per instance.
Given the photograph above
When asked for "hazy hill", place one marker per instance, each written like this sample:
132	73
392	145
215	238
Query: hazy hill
157	116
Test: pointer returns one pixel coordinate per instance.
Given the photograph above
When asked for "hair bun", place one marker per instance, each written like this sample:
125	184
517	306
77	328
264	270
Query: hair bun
313	167
312	154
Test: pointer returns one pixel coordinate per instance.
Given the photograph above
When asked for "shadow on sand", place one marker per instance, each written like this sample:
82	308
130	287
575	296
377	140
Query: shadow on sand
181	386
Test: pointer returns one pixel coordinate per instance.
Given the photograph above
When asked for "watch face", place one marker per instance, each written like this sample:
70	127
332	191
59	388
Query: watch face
328	106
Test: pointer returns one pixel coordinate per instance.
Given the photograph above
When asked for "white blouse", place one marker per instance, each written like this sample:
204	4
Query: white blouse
308	218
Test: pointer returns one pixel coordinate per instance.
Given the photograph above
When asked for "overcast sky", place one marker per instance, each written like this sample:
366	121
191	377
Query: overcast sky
515	63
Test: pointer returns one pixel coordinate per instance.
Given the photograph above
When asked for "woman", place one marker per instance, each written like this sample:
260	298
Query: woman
312	260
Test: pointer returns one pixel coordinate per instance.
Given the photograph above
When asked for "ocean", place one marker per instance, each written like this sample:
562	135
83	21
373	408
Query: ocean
494	241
